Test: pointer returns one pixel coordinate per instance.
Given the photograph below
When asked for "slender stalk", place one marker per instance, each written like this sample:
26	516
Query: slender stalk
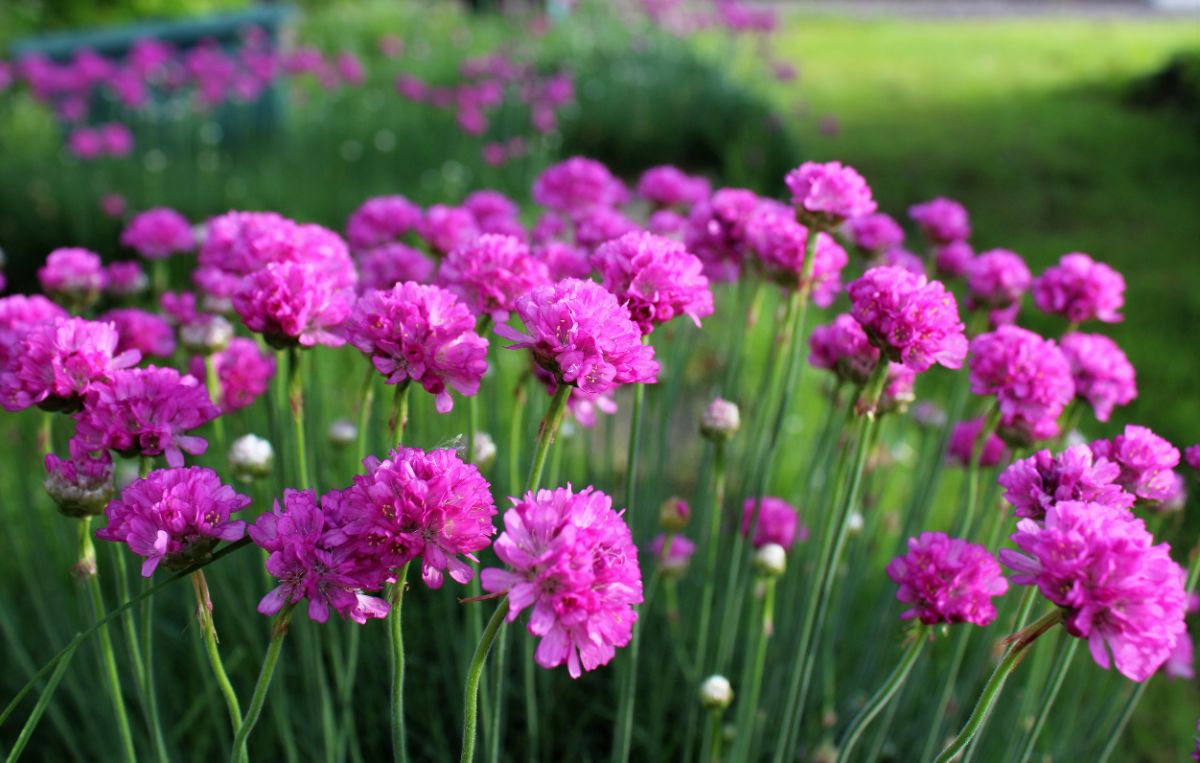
279	629
399	418
546	435
43	702
366	397
883	695
396	634
710	751
500	667
756	661
151	691
966	519
209	632
296	401
962	637
991	691
1061	667
137	659
471	691
45	435
531	703
623	732
213	383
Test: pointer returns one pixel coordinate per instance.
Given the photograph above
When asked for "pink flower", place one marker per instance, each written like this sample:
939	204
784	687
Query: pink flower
830	193
563	260
942	220
572	562
125	279
381	220
116	139
1030	378
584	336
656	278
598	225
1120	591
899	257
1103	375
666	222
1147	462
158	233
147	333
947	580
843	347
1081	289
386	265
898	388
58	361
494	212
1032	485
85	143
146	412
447	228
679	553
81	485
781	243
418	504
174	516
997	278
311	560
19	313
422	333
875	233
292	303
911	319
667	186
243	371
577	184
963	441
113	205
716	231
1191	456
72	276
350	68
489	273
179	307
953	259
778	522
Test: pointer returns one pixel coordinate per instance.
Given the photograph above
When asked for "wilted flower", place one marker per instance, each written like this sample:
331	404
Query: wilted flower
911	319
1103	375
1147	462
1032	485
490	272
778	522
947	580
942	220
158	233
1081	289
656	278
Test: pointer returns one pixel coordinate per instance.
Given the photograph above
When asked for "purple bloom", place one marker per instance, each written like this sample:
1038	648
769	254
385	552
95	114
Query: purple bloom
422	333
716	231
666	222
447	228
563	260
494	213
577	184
18	314
964	439
667	186
1032	485
898	257
584	336
74	277
997	278
158	233
489	274
843	347
243	372
385	265
656	278
875	233
572	562
778	522
953	259
597	225
1191	456
1081	289
1103	375
679	553
947	580
781	243
1030	378
829	193
125	279
1120	591
81	485
1147	462
146	412
911	319
148	333
942	220
293	303
174	516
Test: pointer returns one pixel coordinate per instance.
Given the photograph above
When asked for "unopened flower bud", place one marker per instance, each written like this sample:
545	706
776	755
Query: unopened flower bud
854	523
342	432
485	450
770	561
716	693
929	415
251	457
206	335
720	420
674	514
81	486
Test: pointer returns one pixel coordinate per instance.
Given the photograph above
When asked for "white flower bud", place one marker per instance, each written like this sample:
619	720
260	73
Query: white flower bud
342	432
716	693
770	561
251	457
720	420
206	335
485	450
854	523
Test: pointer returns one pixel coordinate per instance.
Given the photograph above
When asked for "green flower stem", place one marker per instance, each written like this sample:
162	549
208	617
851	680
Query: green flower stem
396	634
296	401
623	732
546	435
884	694
45	435
209	632
991	691
500	667
86	567
974	474
151	690
213	383
1061	667
710	751
279	629
531	703
366	399
474	673
138	657
833	543
398	421
43	702
752	676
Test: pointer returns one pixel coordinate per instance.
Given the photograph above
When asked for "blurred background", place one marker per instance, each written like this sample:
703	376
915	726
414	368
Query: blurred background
1061	126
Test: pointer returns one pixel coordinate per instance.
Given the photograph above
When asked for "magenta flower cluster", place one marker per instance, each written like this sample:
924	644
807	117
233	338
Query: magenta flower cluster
656	278
1033	485
843	347
912	320
1029	377
777	522
1147	462
158	233
490	273
829	193
1080	289
942	220
947	580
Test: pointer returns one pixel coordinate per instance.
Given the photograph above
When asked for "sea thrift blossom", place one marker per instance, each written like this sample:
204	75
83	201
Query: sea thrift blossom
580	332
243	373
829	193
148	333
420	333
494	212
597	225
293	303
418	504
656	278
381	220
489	273
1032	485
911	319
1147	462
72	276
309	557
1120	591
563	260
875	233
1191	456
1029	376
667	186
174	516
125	279
577	184
843	347
716	231
19	313
81	485
947	580
963	442
56	362
1103	375
146	412
778	522
941	220
385	265
782	245
997	278
666	222
447	228
953	259
571	561
677	556
898	388
1080	289
721	419
899	257
158	233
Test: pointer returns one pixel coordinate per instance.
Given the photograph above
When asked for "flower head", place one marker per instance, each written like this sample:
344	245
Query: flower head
489	273
947	580
494	212
1147	462
243	371
678	554
942	220
875	233
81	485
563	260
576	185
1191	456
1030	378
146	412
829	193
386	265
56	362
158	233
778	522
571	561
997	278
716	231
782	245
19	313
1032	485
73	277
447	228
1081	289
656	278
964	440
1120	591
843	347
381	220
667	186
174	516
125	279
953	259
292	303
148	333
1103	375
420	333
721	419
911	319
